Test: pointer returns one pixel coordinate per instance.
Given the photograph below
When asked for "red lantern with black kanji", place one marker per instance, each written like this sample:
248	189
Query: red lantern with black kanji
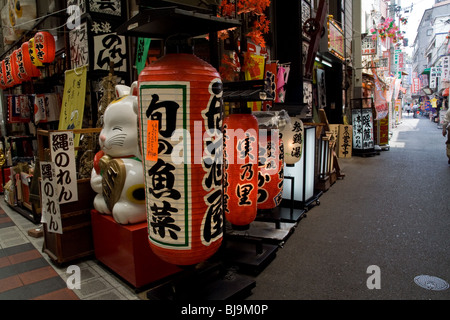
21	72
180	121
271	169
31	70
7	72
44	44
16	63
240	134
2	78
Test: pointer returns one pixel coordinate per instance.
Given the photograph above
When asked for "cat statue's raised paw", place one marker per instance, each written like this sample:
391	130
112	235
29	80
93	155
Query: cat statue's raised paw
118	174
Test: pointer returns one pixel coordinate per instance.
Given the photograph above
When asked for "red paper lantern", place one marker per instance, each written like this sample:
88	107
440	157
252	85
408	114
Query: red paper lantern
44	44
7	72
271	169
20	65
2	78
31	70
17	76
180	106
240	168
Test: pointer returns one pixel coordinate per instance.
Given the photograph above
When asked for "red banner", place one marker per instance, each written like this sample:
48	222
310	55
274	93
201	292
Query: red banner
381	105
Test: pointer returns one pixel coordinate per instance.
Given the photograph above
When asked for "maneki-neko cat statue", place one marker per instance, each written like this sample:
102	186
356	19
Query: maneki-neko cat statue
118	176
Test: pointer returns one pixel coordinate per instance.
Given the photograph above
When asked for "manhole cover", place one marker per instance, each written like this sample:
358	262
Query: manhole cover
431	283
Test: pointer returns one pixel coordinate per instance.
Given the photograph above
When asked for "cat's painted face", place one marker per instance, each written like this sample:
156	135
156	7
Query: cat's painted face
118	137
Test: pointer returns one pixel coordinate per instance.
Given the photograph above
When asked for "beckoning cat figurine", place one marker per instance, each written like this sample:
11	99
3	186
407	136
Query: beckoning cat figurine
118	174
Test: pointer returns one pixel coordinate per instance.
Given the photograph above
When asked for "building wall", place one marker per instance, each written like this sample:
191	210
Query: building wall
425	32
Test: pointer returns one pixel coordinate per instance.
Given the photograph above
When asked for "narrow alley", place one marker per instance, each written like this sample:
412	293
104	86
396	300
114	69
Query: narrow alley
395	215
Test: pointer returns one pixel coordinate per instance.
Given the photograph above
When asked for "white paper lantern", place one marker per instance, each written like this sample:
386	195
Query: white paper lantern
293	140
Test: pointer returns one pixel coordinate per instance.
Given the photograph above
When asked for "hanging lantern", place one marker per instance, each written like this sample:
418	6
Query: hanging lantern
271	169
18	79
293	141
2	78
33	53
21	72
31	70
7	72
44	44
180	98
240	134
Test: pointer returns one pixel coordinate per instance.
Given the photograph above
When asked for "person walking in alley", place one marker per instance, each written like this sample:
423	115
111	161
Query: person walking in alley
407	108
445	131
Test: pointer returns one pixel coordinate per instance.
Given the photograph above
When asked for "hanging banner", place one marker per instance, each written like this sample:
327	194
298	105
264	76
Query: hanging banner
445	61
256	73
433	78
63	156
369	46
72	107
381	105
51	214
143	44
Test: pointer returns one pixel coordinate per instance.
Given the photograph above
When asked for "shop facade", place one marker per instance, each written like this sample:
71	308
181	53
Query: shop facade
179	186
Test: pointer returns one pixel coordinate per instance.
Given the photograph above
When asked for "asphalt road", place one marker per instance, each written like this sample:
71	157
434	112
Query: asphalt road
385	223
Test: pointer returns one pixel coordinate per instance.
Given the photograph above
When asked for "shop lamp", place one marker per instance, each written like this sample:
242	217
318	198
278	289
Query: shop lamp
44	44
2	77
16	65
180	118
31	70
303	172
292	135
33	54
240	137
271	169
21	65
7	72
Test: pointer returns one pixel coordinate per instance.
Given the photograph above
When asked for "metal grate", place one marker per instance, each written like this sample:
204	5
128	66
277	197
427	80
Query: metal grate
431	283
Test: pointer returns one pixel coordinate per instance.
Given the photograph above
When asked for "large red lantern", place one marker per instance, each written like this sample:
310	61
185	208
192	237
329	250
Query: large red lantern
271	169
240	132
44	44
180	107
30	69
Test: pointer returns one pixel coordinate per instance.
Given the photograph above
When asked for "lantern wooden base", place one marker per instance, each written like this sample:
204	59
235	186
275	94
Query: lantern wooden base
250	254
206	281
126	251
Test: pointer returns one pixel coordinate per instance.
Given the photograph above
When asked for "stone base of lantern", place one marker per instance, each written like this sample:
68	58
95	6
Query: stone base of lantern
125	250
